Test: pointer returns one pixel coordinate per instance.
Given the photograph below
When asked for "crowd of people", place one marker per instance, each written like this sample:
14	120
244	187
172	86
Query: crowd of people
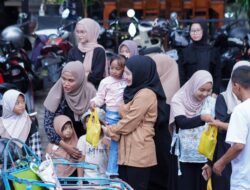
152	111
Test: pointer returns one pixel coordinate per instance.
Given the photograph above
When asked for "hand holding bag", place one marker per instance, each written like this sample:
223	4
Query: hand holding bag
93	129
208	142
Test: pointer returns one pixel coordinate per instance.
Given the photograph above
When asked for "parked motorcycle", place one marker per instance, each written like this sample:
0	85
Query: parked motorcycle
50	51
232	41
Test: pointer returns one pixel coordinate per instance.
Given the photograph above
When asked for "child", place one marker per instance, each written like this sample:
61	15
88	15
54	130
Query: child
99	155
64	128
110	92
16	123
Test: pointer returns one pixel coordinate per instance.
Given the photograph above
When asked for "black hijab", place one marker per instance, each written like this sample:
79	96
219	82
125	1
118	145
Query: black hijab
145	75
203	24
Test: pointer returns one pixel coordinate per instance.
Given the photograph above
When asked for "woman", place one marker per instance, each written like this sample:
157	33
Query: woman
70	96
192	106
128	48
225	103
143	114
88	51
199	55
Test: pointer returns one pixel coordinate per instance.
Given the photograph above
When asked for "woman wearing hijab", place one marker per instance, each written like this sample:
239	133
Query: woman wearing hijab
70	96
88	51
225	103
64	128
144	113
16	123
192	106
199	55
128	48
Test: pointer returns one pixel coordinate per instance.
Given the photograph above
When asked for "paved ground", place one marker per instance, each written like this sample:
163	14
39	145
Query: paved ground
39	98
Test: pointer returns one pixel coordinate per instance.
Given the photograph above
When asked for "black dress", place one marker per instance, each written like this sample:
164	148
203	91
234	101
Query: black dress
200	56
98	63
221	182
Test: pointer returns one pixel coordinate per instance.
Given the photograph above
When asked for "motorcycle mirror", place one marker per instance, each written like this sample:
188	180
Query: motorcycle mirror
131	13
65	13
132	29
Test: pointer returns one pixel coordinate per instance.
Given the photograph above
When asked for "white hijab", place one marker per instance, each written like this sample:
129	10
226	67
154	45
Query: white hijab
230	98
17	126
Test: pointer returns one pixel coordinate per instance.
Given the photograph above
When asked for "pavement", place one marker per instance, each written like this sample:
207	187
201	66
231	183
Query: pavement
39	108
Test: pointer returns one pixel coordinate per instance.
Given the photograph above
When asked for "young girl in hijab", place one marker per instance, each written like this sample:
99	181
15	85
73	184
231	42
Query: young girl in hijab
225	103
199	55
16	123
88	51
69	96
192	106
110	93
128	48
64	128
144	114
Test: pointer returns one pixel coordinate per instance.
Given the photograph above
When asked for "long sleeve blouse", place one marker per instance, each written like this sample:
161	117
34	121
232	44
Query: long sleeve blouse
98	63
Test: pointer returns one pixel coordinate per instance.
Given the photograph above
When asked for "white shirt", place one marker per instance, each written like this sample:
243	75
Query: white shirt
98	156
238	132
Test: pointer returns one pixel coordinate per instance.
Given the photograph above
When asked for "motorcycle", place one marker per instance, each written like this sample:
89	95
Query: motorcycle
50	51
232	42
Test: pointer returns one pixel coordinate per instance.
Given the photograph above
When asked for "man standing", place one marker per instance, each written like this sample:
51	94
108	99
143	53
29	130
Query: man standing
238	134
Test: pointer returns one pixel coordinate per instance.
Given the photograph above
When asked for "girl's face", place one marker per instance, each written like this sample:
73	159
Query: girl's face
116	70
67	131
81	34
125	51
19	107
196	32
68	82
128	76
204	91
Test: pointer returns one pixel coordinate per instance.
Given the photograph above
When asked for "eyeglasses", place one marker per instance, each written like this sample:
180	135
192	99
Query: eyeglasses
195	31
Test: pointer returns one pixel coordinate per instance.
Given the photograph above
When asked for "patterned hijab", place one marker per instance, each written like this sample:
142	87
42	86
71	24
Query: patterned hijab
230	98
93	29
56	151
184	101
78	99
17	126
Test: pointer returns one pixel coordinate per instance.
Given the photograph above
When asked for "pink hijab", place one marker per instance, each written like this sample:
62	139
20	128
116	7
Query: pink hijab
184	102
57	151
132	46
92	28
167	69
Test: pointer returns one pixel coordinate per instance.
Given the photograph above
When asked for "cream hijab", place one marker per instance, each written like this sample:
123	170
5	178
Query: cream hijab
78	100
93	29
167	69
230	98
17	126
58	152
184	101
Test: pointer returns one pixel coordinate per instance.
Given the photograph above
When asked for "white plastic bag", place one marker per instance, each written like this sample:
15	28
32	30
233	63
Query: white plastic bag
46	172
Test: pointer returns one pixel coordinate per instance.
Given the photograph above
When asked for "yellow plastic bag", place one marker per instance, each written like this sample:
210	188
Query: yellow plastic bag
209	184
93	129
208	142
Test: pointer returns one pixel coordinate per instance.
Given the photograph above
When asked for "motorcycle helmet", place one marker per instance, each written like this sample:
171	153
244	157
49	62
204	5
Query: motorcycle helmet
14	35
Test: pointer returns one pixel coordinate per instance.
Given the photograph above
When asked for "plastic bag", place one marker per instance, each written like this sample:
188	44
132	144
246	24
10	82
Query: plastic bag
208	142
93	129
46	172
209	184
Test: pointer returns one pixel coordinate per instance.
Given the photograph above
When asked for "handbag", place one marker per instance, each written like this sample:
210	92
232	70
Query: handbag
208	142
93	129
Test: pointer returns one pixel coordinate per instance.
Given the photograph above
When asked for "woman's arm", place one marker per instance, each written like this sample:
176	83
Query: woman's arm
98	66
188	123
143	101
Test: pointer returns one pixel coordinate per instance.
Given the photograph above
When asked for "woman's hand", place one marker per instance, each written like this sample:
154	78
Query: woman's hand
207	118
71	150
92	106
219	124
